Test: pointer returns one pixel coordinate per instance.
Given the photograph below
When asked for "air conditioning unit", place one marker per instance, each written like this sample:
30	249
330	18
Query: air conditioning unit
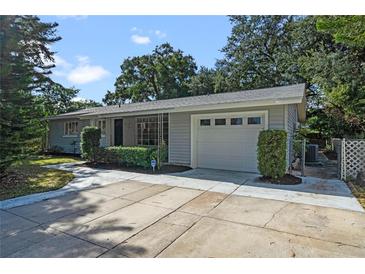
311	154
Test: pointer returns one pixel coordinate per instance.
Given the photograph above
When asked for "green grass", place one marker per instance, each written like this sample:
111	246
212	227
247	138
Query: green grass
52	160
28	176
359	192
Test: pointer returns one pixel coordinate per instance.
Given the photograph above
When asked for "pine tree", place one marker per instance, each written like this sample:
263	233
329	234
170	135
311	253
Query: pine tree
25	63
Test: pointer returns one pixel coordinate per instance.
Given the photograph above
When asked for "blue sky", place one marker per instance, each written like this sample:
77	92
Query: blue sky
93	47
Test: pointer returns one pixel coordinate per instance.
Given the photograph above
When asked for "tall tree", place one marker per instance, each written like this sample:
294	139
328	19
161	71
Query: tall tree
335	68
57	99
163	74
208	81
265	51
349	30
82	104
261	52
25	60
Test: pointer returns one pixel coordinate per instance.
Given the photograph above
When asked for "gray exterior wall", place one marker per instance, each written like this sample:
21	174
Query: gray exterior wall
180	127
56	135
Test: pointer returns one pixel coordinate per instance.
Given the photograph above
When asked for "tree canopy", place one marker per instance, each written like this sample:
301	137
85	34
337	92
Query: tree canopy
349	30
265	51
163	74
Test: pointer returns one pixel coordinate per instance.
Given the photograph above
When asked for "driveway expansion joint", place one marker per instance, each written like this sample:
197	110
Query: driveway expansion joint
274	214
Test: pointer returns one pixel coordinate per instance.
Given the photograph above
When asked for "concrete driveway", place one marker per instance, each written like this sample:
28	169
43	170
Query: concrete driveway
313	191
132	218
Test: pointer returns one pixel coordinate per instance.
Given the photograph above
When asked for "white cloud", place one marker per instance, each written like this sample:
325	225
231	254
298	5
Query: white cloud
61	63
75	17
85	73
81	73
62	66
135	29
83	59
160	34
79	99
140	39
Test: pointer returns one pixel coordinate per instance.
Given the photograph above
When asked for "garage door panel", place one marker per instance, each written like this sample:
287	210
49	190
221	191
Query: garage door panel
227	163
227	147
215	148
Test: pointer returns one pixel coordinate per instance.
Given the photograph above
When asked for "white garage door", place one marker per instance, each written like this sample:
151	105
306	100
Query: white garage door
228	142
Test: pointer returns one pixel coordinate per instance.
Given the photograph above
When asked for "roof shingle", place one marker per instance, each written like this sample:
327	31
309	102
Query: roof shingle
276	93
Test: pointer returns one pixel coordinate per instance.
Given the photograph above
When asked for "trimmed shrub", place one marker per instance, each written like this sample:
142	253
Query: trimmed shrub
90	143
138	156
271	153
127	156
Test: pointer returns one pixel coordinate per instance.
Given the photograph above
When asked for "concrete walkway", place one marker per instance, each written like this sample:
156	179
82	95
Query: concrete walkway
313	191
137	219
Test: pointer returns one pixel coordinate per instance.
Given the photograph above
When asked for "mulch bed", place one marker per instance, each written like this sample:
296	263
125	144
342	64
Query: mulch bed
163	170
358	191
287	179
11	179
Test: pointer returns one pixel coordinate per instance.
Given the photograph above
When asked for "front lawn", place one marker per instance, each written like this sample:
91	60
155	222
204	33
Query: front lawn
28	176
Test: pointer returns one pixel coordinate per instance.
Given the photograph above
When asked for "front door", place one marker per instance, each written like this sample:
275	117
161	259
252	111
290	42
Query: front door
118	132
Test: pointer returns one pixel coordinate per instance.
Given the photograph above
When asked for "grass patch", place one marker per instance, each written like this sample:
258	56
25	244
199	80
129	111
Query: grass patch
358	191
51	160
28	177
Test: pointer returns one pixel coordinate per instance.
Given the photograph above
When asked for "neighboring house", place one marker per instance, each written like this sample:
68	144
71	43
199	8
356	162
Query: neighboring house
211	131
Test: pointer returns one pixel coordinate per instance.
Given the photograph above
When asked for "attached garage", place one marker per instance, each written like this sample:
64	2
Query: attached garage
227	140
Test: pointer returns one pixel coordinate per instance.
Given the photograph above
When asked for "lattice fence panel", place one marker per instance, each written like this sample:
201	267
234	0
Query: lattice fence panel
354	157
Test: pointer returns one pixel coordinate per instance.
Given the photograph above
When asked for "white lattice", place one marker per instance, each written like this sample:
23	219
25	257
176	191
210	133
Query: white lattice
353	158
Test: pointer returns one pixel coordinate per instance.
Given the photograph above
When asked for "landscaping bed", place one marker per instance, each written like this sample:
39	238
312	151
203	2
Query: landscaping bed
29	177
287	179
358	191
163	169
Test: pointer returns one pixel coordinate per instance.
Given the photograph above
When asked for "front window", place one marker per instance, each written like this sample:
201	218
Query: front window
148	129
102	126
71	128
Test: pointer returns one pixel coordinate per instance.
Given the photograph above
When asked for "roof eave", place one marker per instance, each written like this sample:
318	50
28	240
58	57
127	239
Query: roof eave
253	103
